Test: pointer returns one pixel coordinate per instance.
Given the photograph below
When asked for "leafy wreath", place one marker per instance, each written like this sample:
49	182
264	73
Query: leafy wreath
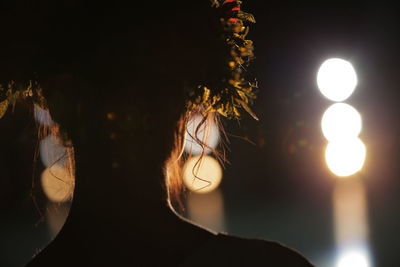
13	92
235	90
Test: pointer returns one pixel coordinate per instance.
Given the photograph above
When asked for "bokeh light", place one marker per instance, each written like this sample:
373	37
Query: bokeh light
351	223
208	133
57	183
56	215
337	79
52	152
345	157
207	210
202	174
42	116
350	212
341	121
353	259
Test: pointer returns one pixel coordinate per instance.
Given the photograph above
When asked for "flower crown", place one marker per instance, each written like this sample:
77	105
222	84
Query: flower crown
13	92
235	91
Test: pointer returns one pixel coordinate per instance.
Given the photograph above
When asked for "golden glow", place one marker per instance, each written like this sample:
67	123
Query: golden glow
337	79
350	210
57	184
56	215
202	175
341	121
345	157
207	210
208	133
351	223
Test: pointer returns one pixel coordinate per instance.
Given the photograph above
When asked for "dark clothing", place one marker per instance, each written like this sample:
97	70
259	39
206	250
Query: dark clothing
219	250
225	250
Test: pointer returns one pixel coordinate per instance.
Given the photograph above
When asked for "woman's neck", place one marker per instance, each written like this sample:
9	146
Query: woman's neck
125	197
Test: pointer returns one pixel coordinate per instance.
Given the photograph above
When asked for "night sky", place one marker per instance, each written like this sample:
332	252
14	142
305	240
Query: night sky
277	186
290	184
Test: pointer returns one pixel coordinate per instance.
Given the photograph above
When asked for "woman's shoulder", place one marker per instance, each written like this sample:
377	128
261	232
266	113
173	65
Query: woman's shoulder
227	250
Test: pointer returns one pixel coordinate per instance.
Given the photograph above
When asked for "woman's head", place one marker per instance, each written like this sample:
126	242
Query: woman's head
114	75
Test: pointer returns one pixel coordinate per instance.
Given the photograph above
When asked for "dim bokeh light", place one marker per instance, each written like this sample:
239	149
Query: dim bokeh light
207	210
56	215
202	174
52	152
42	116
208	133
341	121
337	79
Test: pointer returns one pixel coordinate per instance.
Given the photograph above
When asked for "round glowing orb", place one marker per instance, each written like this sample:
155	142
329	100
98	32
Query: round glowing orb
52	152
345	157
341	121
353	259
202	175
207	133
337	79
57	184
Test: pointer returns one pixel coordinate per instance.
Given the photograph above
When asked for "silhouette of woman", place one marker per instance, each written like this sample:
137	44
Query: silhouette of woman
114	79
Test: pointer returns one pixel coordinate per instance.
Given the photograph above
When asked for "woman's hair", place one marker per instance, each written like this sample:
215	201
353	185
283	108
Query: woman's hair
173	165
175	162
47	128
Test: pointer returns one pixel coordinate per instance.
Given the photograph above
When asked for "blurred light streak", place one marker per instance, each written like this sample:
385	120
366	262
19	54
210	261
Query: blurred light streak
345	157
208	133
56	215
57	184
341	121
351	223
337	79
207	210
202	174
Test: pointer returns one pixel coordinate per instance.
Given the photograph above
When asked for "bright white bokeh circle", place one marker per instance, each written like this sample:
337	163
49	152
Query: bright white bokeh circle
202	174
341	121
337	79
52	152
208	133
353	259
345	157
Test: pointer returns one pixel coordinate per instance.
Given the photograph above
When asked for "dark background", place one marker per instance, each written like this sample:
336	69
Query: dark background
277	188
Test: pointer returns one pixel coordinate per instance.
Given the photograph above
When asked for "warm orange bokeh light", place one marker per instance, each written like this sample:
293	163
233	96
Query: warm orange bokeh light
202	174
57	184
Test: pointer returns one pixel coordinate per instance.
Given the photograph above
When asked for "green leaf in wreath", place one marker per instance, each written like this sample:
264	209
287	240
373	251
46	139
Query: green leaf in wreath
246	17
